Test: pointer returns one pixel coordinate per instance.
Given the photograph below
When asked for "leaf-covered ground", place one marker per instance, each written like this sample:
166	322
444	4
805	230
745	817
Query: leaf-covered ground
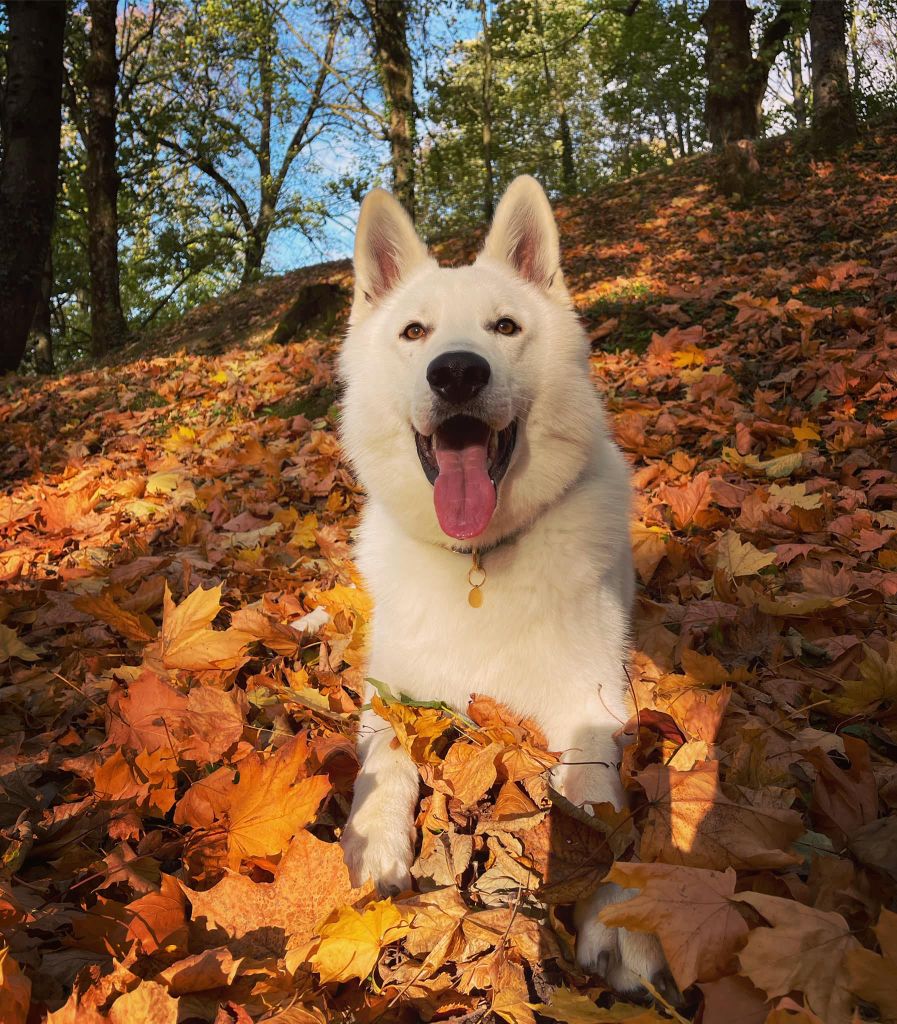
175	736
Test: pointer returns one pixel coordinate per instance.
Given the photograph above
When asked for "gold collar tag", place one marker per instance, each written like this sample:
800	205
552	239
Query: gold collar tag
476	577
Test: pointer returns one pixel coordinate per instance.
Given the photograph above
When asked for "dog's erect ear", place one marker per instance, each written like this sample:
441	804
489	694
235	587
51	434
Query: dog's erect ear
525	236
386	249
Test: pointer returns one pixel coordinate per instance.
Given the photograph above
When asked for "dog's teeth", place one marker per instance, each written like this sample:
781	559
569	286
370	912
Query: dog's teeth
493	444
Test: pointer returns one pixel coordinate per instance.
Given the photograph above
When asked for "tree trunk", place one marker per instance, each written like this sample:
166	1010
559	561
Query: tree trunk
798	88
389	22
737	79
486	97
834	118
730	107
568	163
32	112
42	325
107	322
254	253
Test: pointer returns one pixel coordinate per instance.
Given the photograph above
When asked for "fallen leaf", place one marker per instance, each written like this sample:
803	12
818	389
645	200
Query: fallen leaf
802	950
150	1001
692	822
691	910
871	977
351	941
737	558
260	919
15	990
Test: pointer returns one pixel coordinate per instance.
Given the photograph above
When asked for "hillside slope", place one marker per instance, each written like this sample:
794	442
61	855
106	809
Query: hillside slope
176	762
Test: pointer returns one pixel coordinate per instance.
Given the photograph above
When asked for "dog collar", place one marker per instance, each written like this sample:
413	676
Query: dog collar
476	574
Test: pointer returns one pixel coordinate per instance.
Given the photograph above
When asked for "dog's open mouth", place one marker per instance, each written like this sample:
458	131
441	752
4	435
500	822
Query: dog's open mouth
465	460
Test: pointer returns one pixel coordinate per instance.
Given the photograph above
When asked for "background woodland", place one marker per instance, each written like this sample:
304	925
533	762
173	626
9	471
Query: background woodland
205	143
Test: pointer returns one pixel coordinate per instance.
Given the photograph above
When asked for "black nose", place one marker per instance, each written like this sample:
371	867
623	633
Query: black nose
458	376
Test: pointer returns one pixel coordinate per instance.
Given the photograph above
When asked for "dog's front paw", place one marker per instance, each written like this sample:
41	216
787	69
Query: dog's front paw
382	855
584	784
621	957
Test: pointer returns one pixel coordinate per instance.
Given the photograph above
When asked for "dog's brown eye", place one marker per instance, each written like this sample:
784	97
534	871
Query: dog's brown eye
506	326
414	332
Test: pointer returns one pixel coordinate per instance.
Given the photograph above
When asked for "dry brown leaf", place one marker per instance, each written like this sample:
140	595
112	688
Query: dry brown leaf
213	968
873	978
150	715
573	856
259	919
691	910
467	773
188	643
139	628
690	821
150	1001
803	950
15	990
733	1000
649	547
844	800
159	919
690	502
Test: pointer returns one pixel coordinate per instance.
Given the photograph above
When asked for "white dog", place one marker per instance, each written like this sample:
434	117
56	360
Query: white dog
495	541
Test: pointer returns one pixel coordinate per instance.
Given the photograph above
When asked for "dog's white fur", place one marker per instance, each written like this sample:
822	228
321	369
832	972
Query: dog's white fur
550	639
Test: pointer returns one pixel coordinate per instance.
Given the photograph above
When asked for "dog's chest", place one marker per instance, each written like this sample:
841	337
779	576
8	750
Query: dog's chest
542	621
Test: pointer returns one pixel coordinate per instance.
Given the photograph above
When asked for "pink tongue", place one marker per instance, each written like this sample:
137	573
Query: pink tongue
463	494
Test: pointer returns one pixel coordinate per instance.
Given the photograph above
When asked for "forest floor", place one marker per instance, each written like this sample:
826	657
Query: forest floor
176	760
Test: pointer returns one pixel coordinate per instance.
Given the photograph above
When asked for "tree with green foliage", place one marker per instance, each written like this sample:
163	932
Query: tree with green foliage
576	92
226	107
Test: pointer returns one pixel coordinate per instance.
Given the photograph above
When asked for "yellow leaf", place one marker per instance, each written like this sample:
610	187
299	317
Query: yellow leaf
304	533
188	643
511	1007
150	1001
806	432
794	495
573	1008
690	355
172	484
877	687
781	466
350	942
12	647
181	439
266	810
219	378
195	612
162	483
649	545
343	598
738	558
417	729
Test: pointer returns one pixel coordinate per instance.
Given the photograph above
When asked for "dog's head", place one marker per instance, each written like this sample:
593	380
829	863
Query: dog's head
468	405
